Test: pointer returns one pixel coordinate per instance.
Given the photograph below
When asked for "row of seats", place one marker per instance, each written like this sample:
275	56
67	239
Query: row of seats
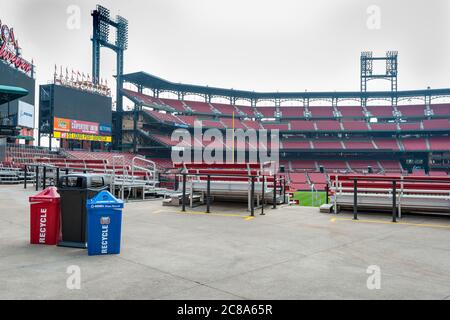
318	181
24	154
341	165
400	144
300	125
187	106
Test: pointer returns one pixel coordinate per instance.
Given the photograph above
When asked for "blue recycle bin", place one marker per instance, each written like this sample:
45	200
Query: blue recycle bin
104	224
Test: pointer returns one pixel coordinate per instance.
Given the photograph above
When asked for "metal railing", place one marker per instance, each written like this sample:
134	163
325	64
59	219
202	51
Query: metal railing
251	179
398	189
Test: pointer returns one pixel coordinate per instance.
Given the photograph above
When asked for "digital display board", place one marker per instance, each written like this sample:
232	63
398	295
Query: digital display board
75	114
72	103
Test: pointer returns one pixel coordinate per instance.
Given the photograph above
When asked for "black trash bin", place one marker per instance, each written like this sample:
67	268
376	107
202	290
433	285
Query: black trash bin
75	190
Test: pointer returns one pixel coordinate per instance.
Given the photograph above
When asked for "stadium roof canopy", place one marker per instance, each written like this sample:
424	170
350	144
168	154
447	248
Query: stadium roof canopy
153	82
8	93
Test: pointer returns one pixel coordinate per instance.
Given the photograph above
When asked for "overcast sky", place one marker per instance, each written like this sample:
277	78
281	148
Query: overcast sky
261	45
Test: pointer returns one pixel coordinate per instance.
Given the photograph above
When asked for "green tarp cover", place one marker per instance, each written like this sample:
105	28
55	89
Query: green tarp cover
8	93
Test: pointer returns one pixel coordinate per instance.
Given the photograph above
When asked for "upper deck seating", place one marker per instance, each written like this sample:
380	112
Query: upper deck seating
225	109
383	126
302	125
386	143
189	120
351	111
292	144
175	104
142	98
212	124
267	112
292	112
229	123
248	110
381	111
331	145
355	126
436	124
439	143
410	126
199	107
414	144
412	111
273	126
163	117
361	144
252	124
441	109
328	125
321	112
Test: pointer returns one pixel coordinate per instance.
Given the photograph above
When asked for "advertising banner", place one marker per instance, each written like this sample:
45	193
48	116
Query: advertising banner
60	124
84	127
105	129
25	115
81	130
81	136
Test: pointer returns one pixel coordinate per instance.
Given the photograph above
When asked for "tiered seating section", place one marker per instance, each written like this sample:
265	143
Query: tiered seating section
341	129
286	112
343	125
441	143
17	154
114	157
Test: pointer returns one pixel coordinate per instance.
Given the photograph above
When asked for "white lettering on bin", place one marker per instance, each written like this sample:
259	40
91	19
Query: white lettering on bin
43	225
104	247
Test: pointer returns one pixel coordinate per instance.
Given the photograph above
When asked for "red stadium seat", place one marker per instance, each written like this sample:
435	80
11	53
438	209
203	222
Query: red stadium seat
351	111
439	143
412	111
292	112
302	125
328	125
383	126
267	112
441	109
355	126
362	144
321	112
414	144
381	111
436	124
331	145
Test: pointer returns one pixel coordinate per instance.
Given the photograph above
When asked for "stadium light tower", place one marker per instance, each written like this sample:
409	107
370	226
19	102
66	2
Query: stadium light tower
102	25
391	71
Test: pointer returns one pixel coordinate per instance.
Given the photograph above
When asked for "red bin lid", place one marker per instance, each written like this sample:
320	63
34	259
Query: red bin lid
48	195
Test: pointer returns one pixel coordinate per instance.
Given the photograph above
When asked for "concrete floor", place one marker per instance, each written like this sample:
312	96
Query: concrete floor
291	253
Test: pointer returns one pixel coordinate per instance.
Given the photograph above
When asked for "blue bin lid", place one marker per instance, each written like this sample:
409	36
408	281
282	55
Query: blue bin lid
104	199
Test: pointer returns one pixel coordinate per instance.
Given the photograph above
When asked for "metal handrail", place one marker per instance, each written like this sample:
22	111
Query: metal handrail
151	172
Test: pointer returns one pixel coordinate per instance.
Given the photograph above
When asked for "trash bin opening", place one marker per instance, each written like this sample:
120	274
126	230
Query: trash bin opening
72	182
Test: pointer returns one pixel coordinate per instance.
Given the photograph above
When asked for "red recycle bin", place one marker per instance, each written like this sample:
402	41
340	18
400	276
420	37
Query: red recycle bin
44	217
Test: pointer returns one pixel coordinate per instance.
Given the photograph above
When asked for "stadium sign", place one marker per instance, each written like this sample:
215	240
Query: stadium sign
10	50
81	130
105	129
84	127
81	136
